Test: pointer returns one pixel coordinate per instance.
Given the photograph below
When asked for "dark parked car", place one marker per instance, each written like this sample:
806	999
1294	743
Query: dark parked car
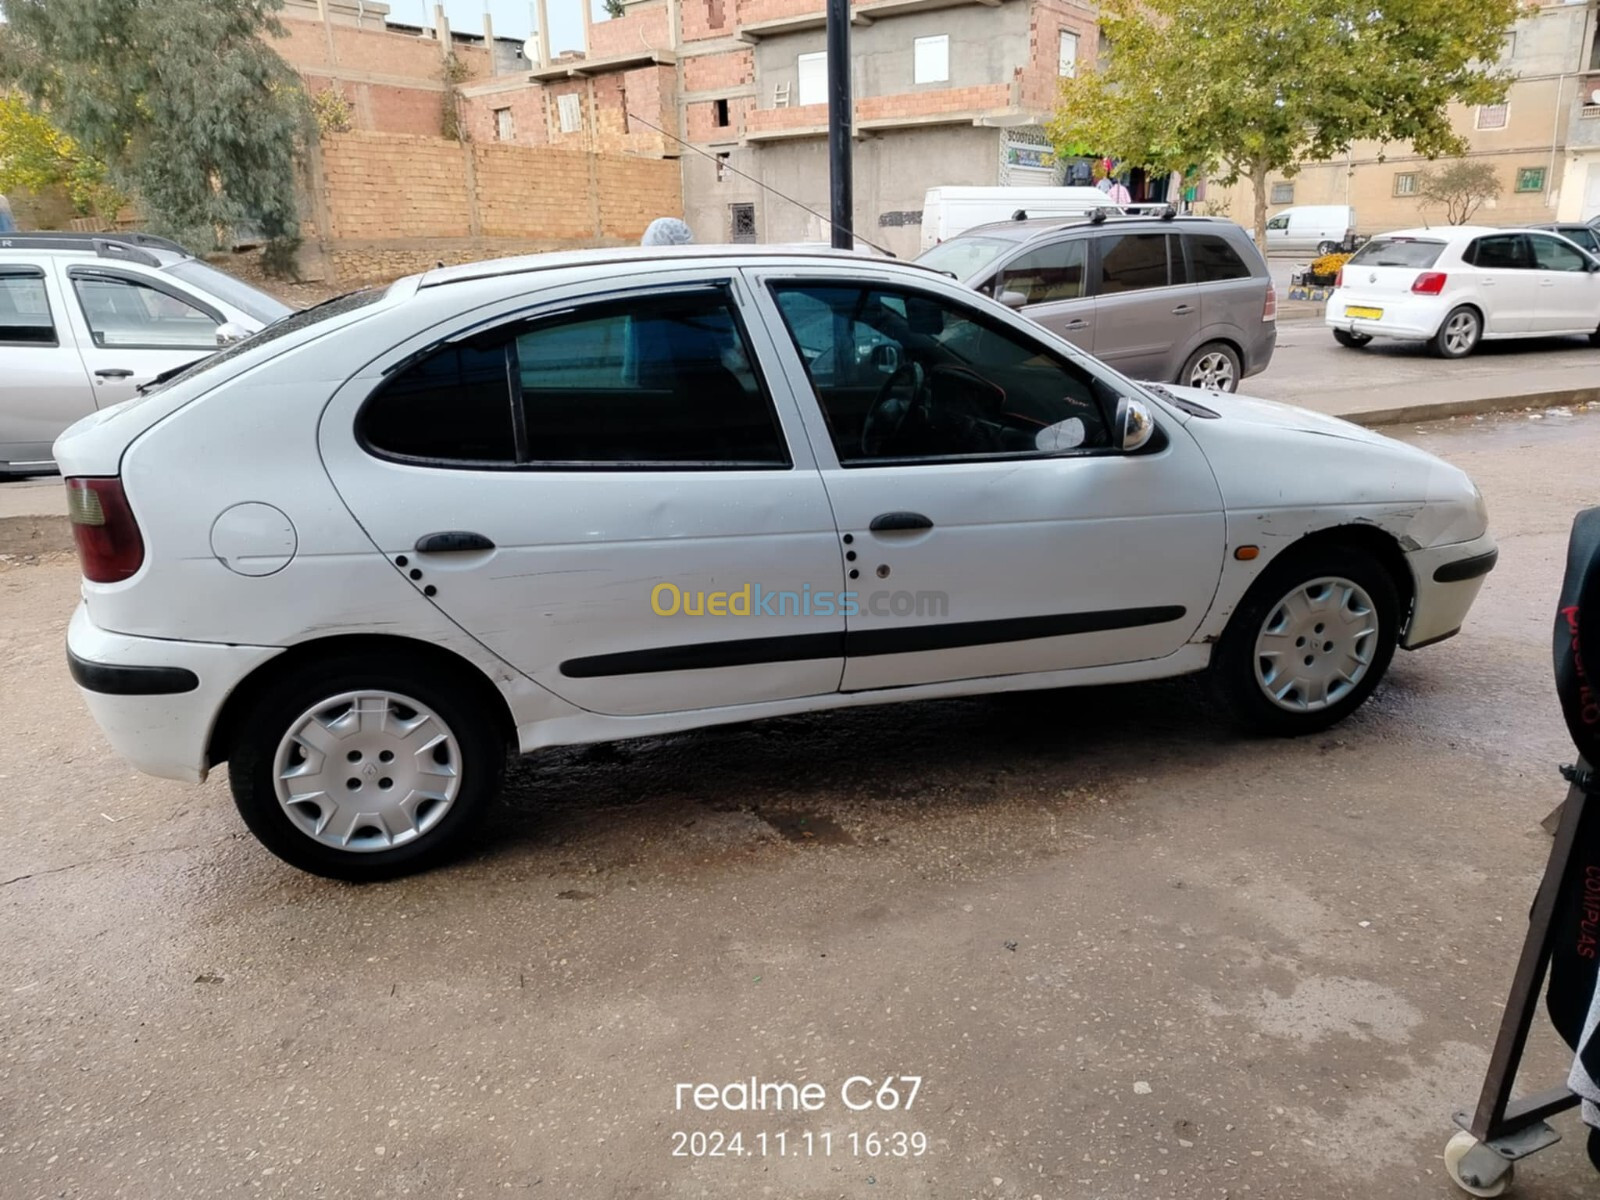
1585	236
1173	299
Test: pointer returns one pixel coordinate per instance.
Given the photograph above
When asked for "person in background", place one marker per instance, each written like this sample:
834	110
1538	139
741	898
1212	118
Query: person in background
667	231
7	225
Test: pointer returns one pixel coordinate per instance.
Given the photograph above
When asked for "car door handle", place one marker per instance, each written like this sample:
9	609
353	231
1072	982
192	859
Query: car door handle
1075	326
899	522
1183	310
452	541
114	373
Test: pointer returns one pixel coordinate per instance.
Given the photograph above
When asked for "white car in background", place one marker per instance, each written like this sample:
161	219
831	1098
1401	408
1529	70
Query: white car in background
85	319
612	494
1456	286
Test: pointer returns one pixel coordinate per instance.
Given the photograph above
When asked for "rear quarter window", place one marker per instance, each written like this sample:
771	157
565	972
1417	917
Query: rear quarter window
1214	259
1398	252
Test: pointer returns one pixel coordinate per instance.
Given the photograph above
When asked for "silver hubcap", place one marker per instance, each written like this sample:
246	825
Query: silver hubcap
1213	371
1316	645
1460	332
367	771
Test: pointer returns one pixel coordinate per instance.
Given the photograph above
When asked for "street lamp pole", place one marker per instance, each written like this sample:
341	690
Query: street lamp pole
840	114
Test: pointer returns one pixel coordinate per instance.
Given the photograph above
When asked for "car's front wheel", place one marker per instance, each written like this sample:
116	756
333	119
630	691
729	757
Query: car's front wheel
363	768
1459	333
1215	367
1310	641
1353	340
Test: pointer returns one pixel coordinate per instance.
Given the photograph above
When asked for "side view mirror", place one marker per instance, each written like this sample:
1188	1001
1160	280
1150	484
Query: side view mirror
1134	424
1012	299
230	332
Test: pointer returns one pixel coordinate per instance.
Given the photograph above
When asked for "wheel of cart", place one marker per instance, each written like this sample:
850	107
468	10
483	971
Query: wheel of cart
1502	1130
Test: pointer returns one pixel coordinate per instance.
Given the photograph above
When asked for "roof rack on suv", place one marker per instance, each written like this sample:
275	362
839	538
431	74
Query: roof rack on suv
132	247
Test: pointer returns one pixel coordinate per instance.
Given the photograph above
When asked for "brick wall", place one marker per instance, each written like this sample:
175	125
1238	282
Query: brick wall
798	116
700	119
931	103
641	29
751	11
700	19
529	121
1039	82
394	203
713	72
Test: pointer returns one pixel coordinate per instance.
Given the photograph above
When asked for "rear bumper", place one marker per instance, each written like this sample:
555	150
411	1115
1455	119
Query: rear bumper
156	701
1406	317
1258	354
1448	579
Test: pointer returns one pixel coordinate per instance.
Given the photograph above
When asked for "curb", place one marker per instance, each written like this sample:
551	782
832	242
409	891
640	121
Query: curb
1407	413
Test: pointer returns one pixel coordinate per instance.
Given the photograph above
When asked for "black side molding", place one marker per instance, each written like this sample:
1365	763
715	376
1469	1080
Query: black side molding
115	680
1466	568
744	652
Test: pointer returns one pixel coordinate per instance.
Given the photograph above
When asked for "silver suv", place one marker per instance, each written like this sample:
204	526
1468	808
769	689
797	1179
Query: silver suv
1173	299
87	318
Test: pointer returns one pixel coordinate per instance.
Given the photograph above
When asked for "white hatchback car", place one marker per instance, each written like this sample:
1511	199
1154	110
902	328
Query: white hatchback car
85	319
1456	286
581	497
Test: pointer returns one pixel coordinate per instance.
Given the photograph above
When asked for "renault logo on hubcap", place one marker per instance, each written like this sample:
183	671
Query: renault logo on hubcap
369	770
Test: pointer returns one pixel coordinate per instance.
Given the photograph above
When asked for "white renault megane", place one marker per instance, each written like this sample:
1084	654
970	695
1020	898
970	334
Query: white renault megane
579	497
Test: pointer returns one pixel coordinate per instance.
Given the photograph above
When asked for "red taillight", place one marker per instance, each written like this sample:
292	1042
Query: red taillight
1338	280
1269	311
1430	283
110	548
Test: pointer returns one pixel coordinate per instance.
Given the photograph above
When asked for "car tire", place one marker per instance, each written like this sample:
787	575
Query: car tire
1594	338
410	757
1215	367
1459	333
1334	604
1328	248
1355	341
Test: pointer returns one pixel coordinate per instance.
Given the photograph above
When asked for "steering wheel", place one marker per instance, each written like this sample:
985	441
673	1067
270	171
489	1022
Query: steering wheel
890	413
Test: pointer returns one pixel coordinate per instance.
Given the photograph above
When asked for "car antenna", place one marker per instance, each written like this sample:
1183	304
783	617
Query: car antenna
728	167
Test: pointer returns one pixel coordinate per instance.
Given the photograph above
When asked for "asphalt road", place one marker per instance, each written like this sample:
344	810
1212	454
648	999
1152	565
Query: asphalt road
1128	953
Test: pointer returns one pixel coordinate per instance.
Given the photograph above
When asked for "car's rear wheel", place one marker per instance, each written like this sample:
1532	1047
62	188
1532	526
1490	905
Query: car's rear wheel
1215	367
1328	248
1353	340
359	768
1310	641
1459	333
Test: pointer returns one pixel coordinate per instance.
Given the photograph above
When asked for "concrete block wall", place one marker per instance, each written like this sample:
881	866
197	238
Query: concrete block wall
641	28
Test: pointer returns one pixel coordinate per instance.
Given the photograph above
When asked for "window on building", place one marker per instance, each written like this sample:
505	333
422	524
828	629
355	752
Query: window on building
1493	116
1530	179
741	222
1508	47
720	108
722	166
569	112
24	308
1282	193
1067	65
813	81
505	128
1405	183
930	59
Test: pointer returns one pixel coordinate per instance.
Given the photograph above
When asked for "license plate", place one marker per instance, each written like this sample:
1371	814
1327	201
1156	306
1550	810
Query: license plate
1366	314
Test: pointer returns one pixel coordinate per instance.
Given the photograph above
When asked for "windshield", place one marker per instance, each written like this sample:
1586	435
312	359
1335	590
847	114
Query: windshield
291	323
964	257
229	290
1398	252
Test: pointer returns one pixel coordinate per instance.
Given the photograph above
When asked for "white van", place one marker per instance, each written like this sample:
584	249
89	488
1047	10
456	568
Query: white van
1323	228
947	211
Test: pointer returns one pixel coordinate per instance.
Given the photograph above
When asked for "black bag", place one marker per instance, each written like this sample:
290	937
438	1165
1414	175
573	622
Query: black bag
1576	961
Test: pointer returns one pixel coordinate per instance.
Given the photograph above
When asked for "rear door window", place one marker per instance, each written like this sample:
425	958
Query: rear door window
1049	273
1132	262
25	318
656	381
1398	252
1501	251
1213	260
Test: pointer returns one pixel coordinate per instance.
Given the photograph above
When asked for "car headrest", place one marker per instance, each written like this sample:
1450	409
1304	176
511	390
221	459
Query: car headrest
1577	626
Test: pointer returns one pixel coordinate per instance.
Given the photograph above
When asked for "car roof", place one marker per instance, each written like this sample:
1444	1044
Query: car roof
674	255
143	248
1446	233
1032	227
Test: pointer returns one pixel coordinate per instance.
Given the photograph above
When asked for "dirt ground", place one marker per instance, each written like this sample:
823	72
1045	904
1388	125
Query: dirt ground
1128	953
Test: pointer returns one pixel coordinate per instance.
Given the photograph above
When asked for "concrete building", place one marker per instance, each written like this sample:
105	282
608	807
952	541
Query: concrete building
946	92
1544	142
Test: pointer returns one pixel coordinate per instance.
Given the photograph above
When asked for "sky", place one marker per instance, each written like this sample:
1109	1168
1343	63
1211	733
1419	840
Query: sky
512	18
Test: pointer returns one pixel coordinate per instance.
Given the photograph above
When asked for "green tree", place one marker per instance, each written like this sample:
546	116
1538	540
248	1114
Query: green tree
1460	187
36	156
183	100
1245	88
